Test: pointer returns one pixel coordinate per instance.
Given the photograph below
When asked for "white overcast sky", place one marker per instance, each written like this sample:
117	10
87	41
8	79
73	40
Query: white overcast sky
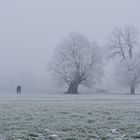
30	29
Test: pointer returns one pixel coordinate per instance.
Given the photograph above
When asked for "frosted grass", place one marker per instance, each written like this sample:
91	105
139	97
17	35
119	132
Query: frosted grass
70	117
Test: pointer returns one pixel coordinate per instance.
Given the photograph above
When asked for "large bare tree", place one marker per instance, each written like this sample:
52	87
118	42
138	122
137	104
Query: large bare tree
77	61
123	45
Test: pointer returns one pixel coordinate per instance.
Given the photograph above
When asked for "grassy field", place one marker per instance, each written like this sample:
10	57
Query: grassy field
70	117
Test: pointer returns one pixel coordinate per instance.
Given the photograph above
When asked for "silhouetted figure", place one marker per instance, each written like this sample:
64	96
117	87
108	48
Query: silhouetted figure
18	89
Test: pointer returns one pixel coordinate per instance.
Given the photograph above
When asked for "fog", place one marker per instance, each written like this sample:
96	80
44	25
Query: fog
31	29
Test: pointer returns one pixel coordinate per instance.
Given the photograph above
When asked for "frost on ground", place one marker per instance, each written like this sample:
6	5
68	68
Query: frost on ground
70	117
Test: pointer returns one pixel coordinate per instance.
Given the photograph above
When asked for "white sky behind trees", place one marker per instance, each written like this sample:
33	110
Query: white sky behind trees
30	30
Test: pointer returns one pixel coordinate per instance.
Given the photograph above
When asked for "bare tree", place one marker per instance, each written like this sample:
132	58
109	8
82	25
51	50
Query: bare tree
77	62
128	73
123	46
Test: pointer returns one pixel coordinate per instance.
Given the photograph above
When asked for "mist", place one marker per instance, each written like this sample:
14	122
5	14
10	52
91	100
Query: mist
30	31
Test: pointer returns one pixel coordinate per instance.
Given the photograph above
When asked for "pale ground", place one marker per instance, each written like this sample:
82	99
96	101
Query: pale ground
70	117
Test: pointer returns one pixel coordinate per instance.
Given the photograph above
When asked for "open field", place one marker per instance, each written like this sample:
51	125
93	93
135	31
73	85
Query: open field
70	117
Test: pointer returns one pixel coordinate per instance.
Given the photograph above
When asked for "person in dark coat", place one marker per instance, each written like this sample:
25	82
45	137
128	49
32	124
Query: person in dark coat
19	89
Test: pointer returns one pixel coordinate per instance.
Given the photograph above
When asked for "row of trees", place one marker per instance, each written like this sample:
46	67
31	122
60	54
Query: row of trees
79	61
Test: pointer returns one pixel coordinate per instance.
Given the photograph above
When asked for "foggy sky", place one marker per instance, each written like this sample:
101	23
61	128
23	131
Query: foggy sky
30	30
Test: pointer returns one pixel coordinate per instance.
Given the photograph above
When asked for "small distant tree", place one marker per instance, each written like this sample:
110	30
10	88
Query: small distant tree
76	62
128	74
123	46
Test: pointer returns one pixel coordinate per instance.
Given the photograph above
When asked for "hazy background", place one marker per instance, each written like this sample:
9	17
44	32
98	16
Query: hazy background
30	30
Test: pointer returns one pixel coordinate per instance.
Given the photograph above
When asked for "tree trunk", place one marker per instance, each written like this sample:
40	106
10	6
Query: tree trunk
73	88
132	90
